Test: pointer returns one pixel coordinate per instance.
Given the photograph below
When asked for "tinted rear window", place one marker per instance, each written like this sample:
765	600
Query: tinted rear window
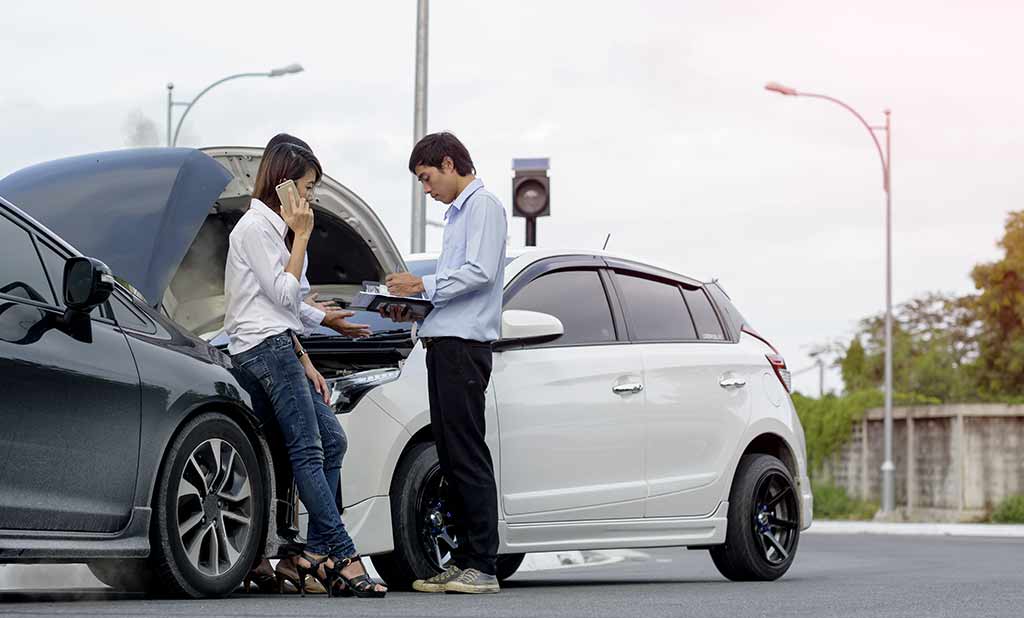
655	309
708	326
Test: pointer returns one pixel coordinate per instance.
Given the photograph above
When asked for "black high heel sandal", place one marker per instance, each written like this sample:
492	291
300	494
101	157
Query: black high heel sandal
312	570
360	586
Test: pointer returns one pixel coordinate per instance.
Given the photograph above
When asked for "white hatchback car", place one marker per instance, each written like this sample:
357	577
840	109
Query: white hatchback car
629	406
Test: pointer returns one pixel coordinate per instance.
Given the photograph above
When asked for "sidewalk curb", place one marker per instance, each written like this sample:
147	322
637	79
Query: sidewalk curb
917	529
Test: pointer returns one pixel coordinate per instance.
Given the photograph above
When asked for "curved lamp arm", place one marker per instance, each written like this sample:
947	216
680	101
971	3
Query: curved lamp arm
177	129
774	87
278	72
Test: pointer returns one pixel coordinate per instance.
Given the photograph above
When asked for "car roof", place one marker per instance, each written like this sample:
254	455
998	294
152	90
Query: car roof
524	256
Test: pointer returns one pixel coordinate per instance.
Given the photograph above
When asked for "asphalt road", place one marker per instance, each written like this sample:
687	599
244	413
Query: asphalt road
860	575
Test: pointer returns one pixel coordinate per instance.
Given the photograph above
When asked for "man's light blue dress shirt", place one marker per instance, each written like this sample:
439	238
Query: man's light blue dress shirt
467	287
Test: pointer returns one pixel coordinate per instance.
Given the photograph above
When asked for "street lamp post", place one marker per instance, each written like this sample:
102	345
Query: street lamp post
418	233
888	489
173	139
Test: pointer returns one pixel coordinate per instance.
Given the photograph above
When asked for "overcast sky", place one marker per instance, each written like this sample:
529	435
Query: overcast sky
653	114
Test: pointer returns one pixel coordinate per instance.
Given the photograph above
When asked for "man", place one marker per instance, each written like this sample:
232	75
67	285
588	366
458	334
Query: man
466	292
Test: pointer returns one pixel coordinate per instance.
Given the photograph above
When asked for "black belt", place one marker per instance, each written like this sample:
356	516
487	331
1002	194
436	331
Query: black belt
429	341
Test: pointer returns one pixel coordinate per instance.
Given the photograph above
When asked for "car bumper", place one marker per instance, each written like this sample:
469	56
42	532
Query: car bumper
806	503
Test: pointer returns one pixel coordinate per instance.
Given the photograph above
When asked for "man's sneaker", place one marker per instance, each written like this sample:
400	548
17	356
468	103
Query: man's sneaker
438	582
472	581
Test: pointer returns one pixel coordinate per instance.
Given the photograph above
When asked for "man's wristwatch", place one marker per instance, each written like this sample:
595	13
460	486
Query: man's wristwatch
300	353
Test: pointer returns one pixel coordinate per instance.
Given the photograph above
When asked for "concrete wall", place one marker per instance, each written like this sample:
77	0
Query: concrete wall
952	461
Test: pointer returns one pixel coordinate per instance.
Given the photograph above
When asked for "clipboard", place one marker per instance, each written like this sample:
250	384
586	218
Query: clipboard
375	295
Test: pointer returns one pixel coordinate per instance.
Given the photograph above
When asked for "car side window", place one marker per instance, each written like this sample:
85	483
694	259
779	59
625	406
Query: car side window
704	317
54	263
21	271
128	317
577	298
655	310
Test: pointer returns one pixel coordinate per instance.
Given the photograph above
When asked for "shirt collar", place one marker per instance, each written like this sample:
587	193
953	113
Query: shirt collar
470	189
275	219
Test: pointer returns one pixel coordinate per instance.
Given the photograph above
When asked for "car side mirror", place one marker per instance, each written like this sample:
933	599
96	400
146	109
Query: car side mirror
87	284
524	327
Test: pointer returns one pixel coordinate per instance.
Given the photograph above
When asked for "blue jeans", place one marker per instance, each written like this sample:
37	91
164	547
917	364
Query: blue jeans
315	441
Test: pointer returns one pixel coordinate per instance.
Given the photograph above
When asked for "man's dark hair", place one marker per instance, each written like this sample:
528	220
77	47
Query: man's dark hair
433	148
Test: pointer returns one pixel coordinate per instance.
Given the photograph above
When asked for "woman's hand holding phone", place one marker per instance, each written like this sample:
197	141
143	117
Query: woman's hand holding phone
295	211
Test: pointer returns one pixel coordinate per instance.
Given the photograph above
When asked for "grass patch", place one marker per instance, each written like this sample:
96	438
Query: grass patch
831	502
1010	511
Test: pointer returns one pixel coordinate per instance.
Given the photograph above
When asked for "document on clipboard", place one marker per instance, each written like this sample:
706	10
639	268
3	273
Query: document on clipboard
375	294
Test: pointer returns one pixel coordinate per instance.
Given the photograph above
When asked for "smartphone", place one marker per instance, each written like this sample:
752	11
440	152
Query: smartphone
282	191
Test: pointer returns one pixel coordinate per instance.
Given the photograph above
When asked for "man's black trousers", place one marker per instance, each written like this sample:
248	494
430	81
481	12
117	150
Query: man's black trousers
458	371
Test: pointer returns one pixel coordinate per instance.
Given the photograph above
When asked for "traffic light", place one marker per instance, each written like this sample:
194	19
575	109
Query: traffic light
531	193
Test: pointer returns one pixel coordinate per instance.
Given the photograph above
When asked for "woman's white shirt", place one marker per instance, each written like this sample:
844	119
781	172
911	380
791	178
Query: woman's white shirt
261	299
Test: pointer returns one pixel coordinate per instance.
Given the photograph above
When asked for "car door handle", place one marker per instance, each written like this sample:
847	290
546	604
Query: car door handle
732	382
626	389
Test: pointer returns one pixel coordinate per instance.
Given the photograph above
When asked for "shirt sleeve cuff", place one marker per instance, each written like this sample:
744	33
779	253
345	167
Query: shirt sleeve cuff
311	316
429	286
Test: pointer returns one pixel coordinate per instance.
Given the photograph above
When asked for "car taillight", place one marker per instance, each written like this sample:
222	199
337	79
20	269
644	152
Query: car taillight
779	365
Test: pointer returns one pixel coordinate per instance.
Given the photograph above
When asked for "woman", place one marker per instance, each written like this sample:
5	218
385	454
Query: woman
263	294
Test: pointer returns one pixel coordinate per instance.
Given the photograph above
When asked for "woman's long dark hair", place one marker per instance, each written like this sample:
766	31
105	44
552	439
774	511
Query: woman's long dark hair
285	161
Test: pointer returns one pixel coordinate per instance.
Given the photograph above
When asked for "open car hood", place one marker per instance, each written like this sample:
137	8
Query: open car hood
161	217
137	210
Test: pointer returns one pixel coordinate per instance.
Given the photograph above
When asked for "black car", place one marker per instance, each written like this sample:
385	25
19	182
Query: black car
127	440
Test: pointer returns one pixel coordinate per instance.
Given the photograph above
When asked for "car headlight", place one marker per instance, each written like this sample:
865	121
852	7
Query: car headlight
345	389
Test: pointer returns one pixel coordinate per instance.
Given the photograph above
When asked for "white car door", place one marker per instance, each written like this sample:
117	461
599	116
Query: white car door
696	401
569	412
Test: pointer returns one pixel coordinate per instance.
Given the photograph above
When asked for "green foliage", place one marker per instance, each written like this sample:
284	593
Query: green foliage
1000	309
831	502
946	348
934	342
856	376
828	421
1009	511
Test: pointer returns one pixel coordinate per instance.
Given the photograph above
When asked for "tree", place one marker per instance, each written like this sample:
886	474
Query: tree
999	308
934	343
854	367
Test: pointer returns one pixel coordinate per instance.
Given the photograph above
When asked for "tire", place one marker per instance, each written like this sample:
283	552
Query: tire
128	575
210	472
416	481
409	561
508	564
763	529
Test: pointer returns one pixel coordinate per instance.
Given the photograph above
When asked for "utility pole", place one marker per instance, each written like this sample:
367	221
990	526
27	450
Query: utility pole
418	236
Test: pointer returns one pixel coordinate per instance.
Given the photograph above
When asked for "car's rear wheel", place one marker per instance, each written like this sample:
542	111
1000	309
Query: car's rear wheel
209	509
423	526
764	522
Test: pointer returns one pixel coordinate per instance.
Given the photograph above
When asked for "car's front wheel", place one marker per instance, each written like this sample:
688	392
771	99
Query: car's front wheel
764	522
423	525
209	509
